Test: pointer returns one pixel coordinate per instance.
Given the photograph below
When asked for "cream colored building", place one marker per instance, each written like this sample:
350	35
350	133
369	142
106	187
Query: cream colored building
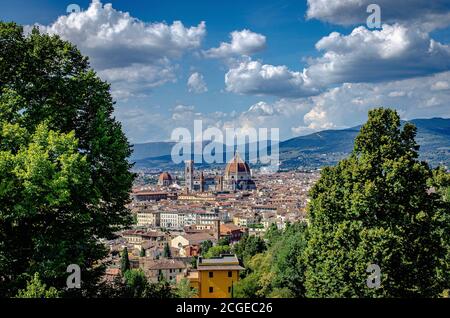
244	220
148	218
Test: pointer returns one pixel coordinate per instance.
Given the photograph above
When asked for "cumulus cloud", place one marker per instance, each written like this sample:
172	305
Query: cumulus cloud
335	108
440	86
394	52
137	79
118	44
253	77
427	15
347	105
196	83
243	42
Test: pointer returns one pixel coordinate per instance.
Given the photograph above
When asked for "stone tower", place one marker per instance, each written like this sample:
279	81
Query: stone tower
202	182
189	175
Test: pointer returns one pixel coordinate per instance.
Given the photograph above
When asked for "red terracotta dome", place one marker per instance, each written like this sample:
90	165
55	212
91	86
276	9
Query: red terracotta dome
165	176
237	165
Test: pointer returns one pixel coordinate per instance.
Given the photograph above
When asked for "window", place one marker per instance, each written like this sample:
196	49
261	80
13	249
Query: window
229	289
211	289
230	274
211	274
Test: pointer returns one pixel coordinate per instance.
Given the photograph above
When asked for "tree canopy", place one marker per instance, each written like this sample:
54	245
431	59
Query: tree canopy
380	206
277	271
375	207
249	246
36	289
64	174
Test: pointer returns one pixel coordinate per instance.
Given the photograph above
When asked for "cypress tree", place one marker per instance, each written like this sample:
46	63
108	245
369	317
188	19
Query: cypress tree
125	261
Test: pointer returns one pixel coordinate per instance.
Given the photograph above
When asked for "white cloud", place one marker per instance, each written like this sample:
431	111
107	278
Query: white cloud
397	94
243	42
336	108
118	44
135	80
427	15
440	86
412	98
253	77
394	52
347	105
196	83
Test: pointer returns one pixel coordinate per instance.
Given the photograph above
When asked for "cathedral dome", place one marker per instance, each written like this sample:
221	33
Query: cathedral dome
165	176
237	165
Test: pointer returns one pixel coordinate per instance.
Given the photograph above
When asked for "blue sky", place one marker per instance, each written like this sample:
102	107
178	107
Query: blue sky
300	66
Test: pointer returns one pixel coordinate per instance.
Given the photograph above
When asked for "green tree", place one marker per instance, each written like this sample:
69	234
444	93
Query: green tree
288	262
278	271
136	283
217	250
42	182
160	290
272	234
375	207
249	246
224	241
64	173
161	277
184	290
124	261
36	289
258	283
194	262
167	252
142	252
205	246
440	183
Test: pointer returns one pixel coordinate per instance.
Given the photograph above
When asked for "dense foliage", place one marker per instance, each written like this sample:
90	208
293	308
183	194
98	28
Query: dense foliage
249	246
376	208
36	289
64	174
380	206
217	250
134	284
277	272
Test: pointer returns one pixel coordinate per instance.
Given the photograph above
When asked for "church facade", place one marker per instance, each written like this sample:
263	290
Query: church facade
237	176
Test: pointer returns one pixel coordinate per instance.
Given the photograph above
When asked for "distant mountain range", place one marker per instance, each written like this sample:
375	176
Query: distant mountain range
318	149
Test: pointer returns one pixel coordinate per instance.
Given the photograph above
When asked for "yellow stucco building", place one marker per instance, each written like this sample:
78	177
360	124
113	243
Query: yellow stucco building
215	277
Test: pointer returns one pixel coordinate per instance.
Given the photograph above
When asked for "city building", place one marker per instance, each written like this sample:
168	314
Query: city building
165	179
193	240
230	231
215	277
166	268
144	196
172	219
137	237
148	218
245	219
238	175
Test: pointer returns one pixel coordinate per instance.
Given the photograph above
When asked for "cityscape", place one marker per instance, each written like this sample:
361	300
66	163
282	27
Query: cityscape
234	157
185	213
